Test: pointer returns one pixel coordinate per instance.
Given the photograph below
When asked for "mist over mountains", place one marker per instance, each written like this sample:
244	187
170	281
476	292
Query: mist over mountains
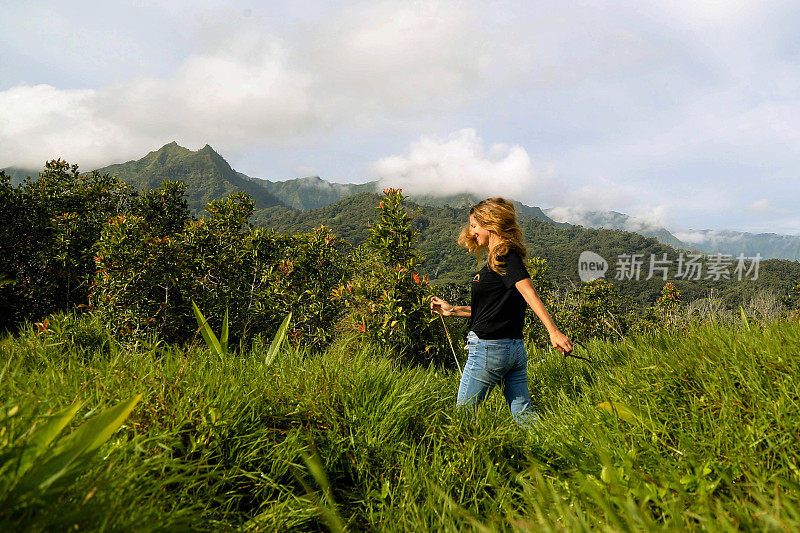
209	176
769	245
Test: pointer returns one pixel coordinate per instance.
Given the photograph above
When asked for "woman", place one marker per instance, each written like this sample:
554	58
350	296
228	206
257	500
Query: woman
499	294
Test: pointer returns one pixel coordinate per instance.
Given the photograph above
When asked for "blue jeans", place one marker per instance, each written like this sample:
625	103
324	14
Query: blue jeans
492	362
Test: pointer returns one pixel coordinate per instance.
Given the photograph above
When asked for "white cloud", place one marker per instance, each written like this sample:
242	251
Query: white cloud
656	218
570	215
694	237
41	122
242	93
651	219
367	64
460	164
760	206
380	57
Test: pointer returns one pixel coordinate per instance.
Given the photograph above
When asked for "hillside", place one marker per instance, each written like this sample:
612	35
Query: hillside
445	261
206	173
17	175
312	192
734	242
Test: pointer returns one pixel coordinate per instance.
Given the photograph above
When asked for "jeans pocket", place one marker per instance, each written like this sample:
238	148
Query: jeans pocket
496	356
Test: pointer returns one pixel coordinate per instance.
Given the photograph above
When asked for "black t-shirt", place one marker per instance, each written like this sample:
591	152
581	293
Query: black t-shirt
498	308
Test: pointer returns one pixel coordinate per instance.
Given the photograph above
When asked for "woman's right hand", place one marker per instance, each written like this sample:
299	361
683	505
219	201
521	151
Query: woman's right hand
441	307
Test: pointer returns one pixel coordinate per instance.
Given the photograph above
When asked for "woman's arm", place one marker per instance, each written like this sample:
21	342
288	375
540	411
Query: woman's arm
441	307
558	339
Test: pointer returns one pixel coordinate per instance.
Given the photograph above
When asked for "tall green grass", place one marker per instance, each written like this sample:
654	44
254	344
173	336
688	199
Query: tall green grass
692	431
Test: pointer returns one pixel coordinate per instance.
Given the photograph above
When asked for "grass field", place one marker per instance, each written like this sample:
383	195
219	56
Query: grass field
691	431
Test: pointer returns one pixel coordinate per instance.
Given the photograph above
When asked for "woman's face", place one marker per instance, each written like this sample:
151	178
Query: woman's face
478	232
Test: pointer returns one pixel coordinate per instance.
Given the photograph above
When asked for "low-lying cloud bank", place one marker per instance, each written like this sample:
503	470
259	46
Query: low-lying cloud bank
460	163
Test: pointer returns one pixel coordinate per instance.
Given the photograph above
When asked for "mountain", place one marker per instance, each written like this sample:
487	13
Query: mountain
312	192
468	200
17	175
620	221
769	245
206	174
439	226
208	177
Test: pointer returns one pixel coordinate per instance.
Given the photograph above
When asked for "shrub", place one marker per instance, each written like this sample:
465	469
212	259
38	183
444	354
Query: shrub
48	227
146	282
534	331
389	300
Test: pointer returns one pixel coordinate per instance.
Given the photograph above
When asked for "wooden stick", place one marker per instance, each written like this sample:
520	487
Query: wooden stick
458	365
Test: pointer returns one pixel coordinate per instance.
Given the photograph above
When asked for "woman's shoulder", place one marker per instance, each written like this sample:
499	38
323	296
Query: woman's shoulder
512	254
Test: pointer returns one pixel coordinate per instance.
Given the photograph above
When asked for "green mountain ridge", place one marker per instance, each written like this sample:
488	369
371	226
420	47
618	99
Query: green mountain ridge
206	174
17	175
312	192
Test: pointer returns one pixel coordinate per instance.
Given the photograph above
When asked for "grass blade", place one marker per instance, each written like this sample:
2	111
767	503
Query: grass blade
211	340
625	412
42	436
277	340
76	446
328	509
223	341
745	321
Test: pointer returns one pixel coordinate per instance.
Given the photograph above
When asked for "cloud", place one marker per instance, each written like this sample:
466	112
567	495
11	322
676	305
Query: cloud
760	206
41	122
653	220
243	92
460	164
382	57
765	207
694	237
570	215
364	65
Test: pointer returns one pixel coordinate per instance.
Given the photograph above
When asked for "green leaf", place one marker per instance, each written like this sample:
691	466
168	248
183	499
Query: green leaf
211	340
58	462
42	436
277	340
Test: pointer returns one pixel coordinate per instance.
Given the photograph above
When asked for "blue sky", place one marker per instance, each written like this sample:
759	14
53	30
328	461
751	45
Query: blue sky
686	114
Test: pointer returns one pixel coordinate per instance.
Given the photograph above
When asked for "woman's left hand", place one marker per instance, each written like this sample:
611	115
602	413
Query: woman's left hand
560	342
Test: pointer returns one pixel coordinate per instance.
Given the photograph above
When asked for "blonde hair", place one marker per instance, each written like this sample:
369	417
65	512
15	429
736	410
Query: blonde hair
498	216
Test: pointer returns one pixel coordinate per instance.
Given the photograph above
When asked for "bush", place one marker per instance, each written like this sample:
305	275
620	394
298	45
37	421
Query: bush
389	300
146	282
47	230
595	310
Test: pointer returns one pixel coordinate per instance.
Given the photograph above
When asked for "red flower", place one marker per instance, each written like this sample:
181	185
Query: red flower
416	277
42	326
